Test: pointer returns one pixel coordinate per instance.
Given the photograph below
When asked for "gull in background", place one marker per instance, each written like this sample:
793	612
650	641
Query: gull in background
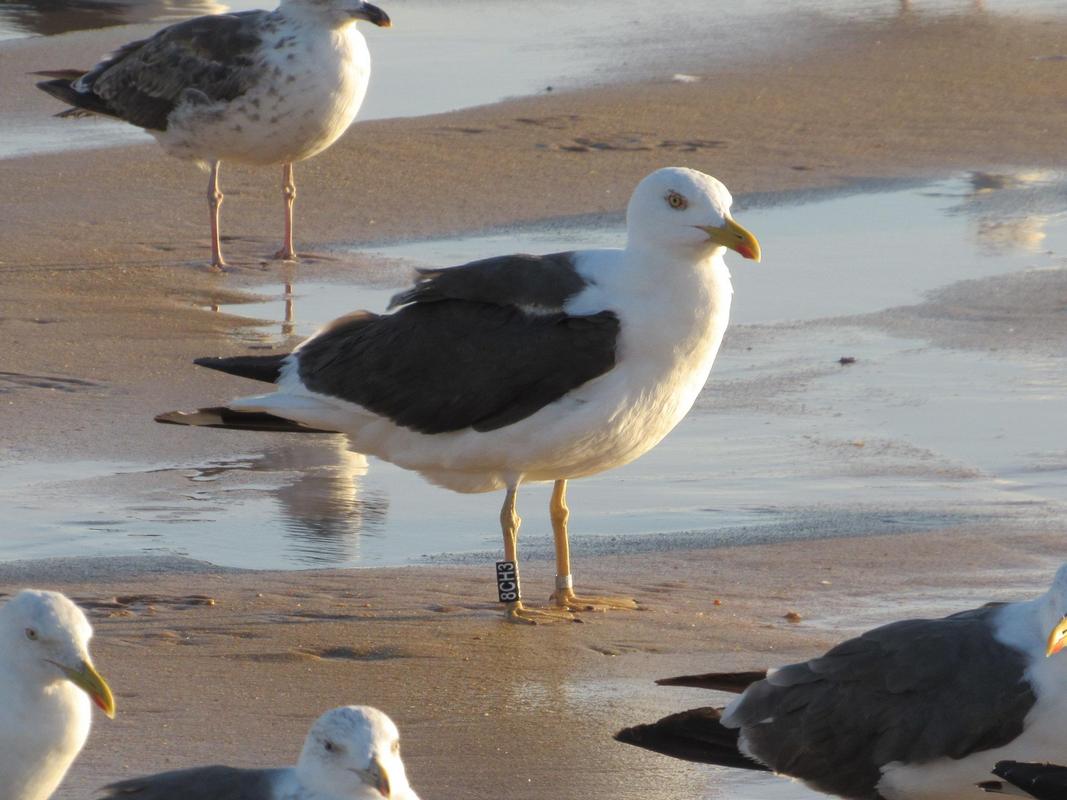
253	87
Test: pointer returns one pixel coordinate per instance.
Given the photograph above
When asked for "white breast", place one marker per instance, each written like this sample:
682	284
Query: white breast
41	735
314	81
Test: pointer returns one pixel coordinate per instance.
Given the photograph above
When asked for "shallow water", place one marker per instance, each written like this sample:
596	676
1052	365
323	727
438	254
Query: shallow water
785	442
842	252
441	56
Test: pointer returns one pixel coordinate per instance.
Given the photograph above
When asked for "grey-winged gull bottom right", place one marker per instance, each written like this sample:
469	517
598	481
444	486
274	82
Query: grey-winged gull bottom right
922	708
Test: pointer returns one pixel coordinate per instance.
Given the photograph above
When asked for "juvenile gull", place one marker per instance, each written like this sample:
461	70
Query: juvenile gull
915	709
46	682
1043	781
522	368
350	753
255	87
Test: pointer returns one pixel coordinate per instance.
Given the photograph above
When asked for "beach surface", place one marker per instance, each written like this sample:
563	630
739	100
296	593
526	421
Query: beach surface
105	299
232	667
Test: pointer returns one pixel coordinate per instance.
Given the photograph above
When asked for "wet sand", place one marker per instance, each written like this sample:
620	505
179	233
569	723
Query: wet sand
483	705
103	259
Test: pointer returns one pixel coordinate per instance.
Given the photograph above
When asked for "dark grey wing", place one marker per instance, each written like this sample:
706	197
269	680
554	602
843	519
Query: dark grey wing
1043	781
911	691
198	783
206	59
445	366
531	282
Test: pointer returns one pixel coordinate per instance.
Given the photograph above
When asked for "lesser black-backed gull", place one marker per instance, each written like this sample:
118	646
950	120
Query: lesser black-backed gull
47	680
254	87
350	753
522	368
921	708
1022	779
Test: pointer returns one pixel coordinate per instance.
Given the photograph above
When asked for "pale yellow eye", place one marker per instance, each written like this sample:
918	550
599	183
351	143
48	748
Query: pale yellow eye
676	201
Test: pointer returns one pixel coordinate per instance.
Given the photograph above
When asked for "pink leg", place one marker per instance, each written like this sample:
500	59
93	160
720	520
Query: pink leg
289	195
214	200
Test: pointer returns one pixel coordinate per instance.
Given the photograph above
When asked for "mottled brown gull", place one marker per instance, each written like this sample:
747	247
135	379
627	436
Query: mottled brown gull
253	87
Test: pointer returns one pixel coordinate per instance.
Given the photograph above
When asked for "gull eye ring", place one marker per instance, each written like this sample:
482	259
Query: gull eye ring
31	634
677	201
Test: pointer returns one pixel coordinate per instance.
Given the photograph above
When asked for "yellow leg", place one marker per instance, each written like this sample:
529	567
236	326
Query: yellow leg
564	596
517	612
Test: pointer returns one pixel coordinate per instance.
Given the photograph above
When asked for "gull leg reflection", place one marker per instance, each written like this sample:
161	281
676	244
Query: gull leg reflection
289	320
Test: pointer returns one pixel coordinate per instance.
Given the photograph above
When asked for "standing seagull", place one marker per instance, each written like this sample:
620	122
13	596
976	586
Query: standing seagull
350	753
255	87
46	682
916	709
522	368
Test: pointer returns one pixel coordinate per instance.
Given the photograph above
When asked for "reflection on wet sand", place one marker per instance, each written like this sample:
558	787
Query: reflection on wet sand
52	17
324	508
1011	210
289	320
276	305
1025	233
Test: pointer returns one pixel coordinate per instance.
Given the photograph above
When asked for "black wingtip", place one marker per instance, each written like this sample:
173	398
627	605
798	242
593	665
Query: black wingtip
69	75
257	368
730	682
83	102
626	735
645	736
59	88
222	417
635	735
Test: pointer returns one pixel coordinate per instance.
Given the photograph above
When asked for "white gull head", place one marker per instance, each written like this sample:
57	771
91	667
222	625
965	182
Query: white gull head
339	12
354	752
680	209
1051	611
44	719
